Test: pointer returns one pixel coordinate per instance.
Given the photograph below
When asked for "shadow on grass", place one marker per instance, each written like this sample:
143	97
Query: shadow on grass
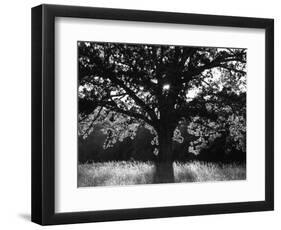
185	176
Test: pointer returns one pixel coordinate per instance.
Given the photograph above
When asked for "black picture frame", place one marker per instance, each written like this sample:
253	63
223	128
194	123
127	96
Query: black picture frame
43	110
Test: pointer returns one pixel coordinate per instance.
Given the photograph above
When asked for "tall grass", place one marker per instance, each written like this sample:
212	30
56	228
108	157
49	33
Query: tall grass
115	173
132	172
197	171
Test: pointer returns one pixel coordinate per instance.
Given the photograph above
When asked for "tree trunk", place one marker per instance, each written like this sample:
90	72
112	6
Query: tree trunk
164	172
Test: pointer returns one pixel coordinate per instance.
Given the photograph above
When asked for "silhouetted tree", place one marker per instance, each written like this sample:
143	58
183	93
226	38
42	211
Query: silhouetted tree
127	86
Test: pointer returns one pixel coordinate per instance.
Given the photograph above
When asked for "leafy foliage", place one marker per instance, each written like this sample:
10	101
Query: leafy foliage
128	86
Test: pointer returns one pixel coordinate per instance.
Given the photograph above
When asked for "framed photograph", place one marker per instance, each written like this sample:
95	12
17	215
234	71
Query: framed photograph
142	114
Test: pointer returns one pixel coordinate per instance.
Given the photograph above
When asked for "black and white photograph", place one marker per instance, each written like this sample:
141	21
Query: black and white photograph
142	114
150	114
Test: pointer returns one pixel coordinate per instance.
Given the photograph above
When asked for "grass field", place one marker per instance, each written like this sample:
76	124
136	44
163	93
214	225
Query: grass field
132	172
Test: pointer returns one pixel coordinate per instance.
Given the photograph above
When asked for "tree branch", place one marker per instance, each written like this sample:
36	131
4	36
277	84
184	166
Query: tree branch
113	106
132	94
92	122
234	70
215	63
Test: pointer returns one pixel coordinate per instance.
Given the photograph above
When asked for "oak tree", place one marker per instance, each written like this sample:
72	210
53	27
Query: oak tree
127	86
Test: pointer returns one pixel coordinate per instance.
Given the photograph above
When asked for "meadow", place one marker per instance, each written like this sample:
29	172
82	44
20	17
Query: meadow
134	172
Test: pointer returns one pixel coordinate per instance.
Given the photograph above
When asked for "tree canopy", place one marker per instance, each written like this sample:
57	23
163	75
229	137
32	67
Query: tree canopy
160	87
